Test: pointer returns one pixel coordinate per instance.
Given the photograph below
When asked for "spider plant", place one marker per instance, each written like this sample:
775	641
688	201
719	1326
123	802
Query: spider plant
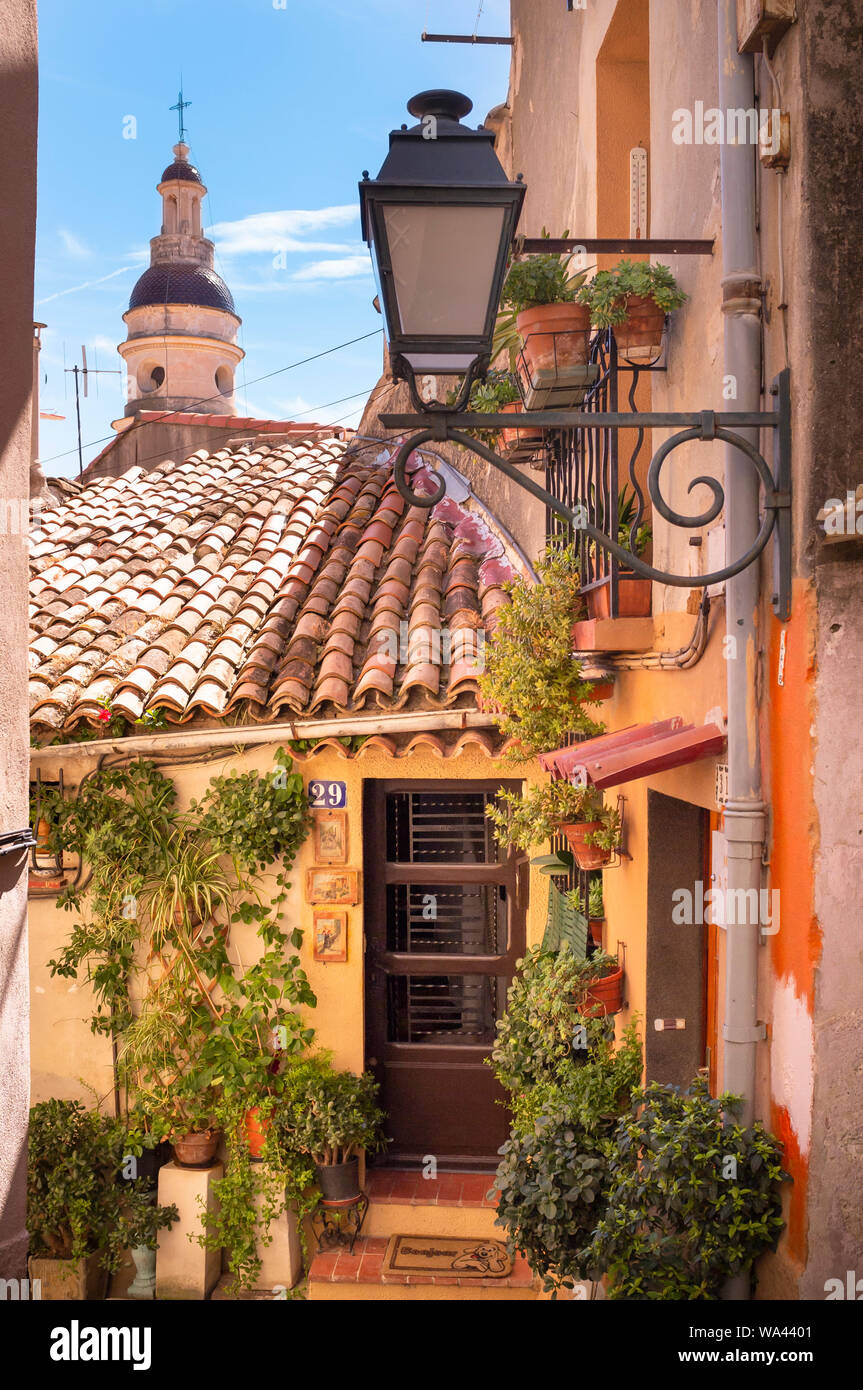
186	886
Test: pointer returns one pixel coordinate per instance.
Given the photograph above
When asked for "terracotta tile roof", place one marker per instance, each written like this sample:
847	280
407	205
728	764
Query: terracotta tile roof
260	582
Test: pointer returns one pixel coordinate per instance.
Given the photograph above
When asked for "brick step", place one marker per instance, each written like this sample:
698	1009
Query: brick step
337	1275
453	1204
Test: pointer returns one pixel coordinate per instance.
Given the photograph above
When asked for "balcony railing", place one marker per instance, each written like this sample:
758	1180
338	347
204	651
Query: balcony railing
583	468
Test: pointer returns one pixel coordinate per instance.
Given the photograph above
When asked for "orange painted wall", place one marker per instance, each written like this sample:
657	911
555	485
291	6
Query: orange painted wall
789	713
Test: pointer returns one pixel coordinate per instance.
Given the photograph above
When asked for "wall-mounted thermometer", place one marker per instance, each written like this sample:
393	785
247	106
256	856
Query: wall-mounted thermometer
638	192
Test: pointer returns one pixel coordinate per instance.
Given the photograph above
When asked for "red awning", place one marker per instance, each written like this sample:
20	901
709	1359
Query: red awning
638	751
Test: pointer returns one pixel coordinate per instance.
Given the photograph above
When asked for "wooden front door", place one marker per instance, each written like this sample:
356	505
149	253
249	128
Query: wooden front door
444	926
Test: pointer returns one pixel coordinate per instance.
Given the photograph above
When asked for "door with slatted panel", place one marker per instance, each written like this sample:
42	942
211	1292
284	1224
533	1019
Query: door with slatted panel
444	926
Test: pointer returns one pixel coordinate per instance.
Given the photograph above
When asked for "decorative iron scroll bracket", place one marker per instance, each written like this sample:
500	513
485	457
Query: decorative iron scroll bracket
702	425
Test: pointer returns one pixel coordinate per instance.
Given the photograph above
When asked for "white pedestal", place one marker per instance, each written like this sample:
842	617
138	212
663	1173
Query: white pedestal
184	1269
281	1259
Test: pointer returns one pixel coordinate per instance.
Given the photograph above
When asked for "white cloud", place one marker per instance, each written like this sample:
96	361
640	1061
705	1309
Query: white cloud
345	269
72	245
87	284
268	232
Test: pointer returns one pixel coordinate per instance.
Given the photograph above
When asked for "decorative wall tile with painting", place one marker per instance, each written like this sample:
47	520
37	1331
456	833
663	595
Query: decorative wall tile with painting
330	837
333	886
331	935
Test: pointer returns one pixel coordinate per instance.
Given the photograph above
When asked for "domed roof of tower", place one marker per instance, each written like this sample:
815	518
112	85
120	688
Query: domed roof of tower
182	283
181	169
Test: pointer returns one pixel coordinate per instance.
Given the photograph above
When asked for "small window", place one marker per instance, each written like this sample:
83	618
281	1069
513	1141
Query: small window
224	381
150	376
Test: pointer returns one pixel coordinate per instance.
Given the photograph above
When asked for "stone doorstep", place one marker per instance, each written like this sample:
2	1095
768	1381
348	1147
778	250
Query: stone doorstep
365	1266
408	1187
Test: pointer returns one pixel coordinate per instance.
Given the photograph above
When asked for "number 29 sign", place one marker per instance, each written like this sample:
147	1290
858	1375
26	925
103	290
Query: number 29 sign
327	794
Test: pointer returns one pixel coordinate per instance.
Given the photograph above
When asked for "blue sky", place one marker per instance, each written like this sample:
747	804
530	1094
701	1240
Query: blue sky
289	105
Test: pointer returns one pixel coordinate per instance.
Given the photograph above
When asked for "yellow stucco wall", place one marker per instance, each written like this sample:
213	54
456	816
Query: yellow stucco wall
67	1058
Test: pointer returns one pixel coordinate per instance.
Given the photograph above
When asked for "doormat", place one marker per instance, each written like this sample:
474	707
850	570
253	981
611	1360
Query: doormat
459	1256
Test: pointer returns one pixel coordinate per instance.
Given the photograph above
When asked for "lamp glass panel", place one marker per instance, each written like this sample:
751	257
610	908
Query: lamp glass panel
443	261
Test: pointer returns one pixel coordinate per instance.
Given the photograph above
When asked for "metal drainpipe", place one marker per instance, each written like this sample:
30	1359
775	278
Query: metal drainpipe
744	810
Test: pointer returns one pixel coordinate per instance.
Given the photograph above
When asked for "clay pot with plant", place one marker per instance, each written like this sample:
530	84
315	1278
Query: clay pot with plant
595	909
591	828
331	1116
554	328
633	298
634	592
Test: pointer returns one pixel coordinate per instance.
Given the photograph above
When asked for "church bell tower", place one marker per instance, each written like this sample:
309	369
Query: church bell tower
181	348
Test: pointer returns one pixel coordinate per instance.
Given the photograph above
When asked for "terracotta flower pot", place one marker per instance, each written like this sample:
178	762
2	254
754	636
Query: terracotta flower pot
521	439
257	1130
634	598
602	690
596	924
604	996
586	856
643	325
196	1149
556	336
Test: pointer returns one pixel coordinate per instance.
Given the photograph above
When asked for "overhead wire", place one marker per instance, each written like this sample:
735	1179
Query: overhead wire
166	417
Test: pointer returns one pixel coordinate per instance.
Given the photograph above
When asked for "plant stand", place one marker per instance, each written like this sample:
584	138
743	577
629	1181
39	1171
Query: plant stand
337	1224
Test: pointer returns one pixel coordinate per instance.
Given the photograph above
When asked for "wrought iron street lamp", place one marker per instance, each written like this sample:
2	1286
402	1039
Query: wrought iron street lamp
439	220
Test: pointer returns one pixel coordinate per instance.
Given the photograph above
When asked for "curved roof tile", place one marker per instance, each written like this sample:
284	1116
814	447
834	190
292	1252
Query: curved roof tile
259	585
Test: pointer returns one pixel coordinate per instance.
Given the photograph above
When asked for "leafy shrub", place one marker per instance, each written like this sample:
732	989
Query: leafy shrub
77	1200
329	1114
531	676
256	818
693	1196
567	1083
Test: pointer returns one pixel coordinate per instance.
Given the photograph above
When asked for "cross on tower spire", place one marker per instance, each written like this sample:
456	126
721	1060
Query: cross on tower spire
180	108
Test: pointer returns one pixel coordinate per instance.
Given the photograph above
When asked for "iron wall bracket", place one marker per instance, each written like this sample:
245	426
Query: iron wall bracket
704	425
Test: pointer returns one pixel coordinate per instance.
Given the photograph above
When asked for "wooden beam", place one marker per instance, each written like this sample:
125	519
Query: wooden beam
611	246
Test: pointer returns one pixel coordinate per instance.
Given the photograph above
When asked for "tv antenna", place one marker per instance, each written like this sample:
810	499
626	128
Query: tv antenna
81	374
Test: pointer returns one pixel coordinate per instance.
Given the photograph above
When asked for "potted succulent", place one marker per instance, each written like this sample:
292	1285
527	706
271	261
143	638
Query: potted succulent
331	1115
595	909
633	298
498	394
531	679
81	1213
592	829
554	329
634	593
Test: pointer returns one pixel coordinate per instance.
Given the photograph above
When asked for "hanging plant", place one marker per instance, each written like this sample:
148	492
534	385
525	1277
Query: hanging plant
525	821
531	679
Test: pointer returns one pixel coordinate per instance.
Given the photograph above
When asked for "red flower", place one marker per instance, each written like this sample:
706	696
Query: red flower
104	715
